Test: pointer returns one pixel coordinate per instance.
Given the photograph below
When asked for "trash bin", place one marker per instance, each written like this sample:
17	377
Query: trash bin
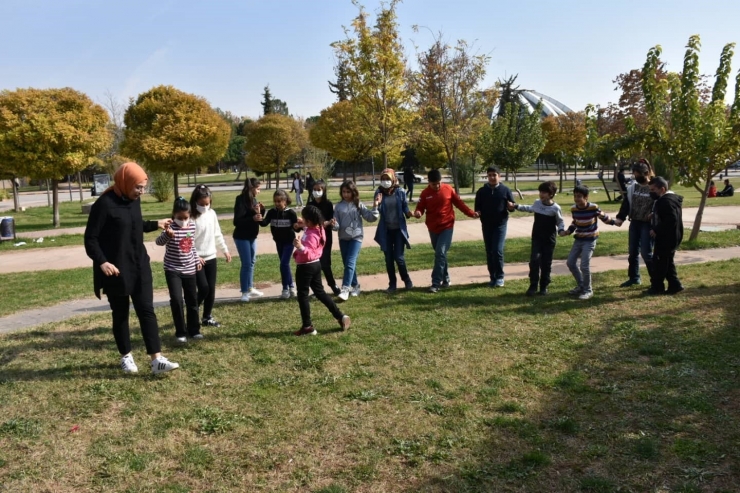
7	228
93	193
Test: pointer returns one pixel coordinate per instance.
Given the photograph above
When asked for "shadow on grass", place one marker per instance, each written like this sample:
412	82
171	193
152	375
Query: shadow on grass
649	404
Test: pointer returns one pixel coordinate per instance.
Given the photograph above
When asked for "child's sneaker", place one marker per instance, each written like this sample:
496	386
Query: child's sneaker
356	290
543	291
163	365
293	292
245	297
344	322
182	340
335	289
255	293
586	295
198	337
531	291
210	322
305	331
408	285
446	284
285	295
434	289
344	293
575	291
128	365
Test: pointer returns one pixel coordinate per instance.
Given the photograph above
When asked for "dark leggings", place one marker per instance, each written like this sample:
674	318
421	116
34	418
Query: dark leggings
143	300
309	276
206	280
326	261
178	284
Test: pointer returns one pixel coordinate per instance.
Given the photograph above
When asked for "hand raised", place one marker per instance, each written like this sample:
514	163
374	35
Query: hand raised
378	199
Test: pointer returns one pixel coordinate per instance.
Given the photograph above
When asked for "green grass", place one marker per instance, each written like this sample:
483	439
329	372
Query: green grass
26	290
401	402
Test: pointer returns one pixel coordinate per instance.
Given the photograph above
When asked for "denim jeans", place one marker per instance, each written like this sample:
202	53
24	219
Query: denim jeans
395	245
248	255
540	261
441	243
493	238
582	249
298	199
640	243
285	252
350	250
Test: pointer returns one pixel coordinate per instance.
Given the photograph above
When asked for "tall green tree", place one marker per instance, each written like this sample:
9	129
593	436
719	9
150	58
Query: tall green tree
699	139
514	140
376	77
341	86
172	131
272	141
272	105
565	137
50	134
451	102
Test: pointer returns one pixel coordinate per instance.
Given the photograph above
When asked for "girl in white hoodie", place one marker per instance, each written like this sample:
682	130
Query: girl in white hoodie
207	236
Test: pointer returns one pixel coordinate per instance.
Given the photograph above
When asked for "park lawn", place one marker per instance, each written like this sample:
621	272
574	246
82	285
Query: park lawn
469	390
28	290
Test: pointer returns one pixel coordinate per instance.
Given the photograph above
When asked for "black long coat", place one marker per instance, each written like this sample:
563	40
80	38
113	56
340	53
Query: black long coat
115	233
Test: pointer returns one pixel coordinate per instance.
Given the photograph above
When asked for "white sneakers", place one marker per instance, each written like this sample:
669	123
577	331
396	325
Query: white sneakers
163	365
128	365
293	292
182	340
285	295
254	293
245	297
356	290
344	293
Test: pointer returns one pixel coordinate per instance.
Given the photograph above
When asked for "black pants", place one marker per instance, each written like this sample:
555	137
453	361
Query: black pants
178	284
410	185
206	280
143	300
309	276
664	268
540	262
326	262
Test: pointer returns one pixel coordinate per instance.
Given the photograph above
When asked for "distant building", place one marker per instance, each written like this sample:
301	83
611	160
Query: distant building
530	99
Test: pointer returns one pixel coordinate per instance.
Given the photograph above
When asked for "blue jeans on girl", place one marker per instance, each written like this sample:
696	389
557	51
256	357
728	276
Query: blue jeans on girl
248	255
285	252
350	250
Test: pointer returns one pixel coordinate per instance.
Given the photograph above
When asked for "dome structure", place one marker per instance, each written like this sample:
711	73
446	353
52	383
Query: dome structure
530	99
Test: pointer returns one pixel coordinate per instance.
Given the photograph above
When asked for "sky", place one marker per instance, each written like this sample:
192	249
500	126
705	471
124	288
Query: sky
227	50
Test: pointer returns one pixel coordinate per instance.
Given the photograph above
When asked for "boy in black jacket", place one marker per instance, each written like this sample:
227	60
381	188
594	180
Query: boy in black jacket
667	230
491	203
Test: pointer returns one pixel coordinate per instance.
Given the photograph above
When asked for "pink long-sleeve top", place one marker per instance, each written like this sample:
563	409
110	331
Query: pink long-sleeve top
312	246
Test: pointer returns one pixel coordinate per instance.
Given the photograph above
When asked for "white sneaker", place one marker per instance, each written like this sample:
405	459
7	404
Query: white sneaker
182	340
344	293
128	365
255	293
285	295
356	290
586	295
163	365
198	336
293	292
245	297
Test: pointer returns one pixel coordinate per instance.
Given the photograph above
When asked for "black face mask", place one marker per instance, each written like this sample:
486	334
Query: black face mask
640	179
654	196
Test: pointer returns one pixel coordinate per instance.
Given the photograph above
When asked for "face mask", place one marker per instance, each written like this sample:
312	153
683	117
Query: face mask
641	180
386	183
180	222
203	208
318	194
654	196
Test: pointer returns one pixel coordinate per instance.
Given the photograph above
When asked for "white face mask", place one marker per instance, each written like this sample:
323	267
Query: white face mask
386	183
203	208
318	194
181	223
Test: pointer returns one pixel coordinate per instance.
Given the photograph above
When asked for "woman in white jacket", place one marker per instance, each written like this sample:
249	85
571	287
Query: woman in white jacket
207	236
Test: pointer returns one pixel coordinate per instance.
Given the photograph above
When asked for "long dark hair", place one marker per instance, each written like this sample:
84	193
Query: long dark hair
248	195
322	185
180	205
350	185
313	214
199	192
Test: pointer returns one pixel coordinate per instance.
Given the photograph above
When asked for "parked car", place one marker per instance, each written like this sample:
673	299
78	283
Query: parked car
417	178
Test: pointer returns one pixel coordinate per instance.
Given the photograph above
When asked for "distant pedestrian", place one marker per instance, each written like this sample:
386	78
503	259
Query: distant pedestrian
667	230
298	189
310	182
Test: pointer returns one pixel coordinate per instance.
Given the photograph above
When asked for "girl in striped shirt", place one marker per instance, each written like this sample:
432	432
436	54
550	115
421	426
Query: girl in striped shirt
181	262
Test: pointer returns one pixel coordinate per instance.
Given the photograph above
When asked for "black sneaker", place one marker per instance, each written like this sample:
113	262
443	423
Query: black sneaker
653	292
305	331
446	284
335	289
390	290
630	282
674	290
408	285
543	291
210	322
531	291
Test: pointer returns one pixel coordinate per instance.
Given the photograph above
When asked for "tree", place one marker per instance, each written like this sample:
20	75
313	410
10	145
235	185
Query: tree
50	134
514	140
700	138
449	97
272	105
376	78
173	131
272	141
341	86
565	139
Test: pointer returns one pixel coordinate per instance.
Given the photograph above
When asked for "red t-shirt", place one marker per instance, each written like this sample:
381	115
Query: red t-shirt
438	207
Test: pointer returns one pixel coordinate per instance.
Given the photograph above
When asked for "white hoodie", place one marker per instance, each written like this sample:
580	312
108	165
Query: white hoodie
208	234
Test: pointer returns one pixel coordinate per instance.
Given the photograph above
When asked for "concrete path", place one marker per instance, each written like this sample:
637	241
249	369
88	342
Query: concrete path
469	230
421	279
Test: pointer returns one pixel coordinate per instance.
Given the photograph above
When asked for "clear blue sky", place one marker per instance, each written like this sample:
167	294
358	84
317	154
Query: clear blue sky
227	50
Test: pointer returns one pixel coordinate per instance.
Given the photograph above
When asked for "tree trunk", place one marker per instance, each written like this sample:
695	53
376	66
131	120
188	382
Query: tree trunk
700	211
176	185
561	179
516	187
55	195
79	183
48	193
606	189
16	197
474	174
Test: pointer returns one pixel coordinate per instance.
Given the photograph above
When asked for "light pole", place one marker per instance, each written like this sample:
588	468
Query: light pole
372	160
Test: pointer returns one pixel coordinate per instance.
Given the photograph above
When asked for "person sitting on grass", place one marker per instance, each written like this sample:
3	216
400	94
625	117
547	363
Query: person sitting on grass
728	191
712	192
585	228
548	219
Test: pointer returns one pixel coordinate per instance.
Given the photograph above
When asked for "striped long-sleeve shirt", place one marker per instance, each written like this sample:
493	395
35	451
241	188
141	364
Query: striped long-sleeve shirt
585	221
180	255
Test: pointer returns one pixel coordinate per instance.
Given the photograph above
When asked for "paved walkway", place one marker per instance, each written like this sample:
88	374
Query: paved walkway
469	230
421	279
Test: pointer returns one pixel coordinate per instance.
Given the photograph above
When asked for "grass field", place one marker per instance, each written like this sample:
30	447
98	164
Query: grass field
467	391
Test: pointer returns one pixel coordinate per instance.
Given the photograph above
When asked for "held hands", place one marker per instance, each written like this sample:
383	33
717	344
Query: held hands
201	261
563	232
109	269
164	223
333	222
618	222
652	234
300	224
169	231
198	266
258	217
417	214
297	244
511	206
476	214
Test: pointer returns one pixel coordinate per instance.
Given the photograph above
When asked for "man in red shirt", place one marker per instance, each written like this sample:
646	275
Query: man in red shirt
436	201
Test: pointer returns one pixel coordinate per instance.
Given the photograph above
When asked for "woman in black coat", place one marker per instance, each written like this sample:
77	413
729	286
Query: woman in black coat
114	240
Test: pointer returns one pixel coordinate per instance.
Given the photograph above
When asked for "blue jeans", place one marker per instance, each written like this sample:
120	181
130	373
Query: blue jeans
493	238
248	255
395	245
285	252
441	243
582	249
350	250
640	243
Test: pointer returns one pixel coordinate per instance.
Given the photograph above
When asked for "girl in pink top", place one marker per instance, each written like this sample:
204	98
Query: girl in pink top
308	271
